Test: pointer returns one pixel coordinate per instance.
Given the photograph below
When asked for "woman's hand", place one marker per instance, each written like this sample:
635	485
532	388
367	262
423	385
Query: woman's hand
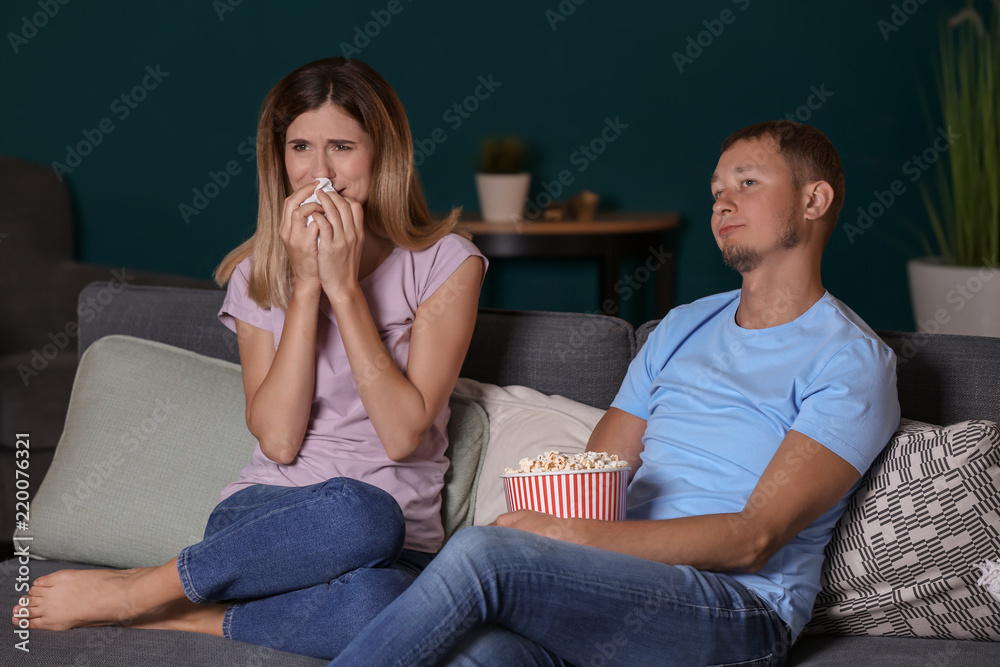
300	240
341	239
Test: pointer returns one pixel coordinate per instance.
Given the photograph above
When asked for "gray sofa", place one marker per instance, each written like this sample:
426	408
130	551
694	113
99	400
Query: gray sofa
38	312
943	379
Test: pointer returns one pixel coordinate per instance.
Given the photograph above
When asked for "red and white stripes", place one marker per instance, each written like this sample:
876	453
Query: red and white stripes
584	494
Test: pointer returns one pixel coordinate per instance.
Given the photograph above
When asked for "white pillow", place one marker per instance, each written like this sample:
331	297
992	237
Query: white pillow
523	423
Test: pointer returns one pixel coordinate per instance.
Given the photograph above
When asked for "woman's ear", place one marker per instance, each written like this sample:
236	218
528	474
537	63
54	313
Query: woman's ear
820	199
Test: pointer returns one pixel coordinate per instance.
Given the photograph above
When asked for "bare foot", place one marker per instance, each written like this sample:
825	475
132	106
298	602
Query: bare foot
186	615
83	598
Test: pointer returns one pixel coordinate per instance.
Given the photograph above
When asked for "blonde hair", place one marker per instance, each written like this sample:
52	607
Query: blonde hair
396	209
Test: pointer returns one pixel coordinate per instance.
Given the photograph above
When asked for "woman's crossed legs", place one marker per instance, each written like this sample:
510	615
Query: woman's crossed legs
313	563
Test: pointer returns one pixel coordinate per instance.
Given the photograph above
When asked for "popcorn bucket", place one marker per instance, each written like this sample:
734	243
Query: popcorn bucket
580	494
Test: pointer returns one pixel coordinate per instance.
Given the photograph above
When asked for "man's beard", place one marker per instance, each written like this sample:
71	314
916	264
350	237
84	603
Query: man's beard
744	259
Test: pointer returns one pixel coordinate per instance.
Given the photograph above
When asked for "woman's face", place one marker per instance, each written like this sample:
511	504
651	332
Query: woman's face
328	143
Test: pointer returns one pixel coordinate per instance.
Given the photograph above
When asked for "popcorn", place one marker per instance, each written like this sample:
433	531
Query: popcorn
552	461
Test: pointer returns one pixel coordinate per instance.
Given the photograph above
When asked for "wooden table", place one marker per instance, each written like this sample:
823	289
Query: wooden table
610	237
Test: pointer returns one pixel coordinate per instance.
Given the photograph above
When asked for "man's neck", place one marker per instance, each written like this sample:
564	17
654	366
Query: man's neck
770	298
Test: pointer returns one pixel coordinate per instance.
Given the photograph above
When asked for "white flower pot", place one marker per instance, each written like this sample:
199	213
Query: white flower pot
502	196
954	299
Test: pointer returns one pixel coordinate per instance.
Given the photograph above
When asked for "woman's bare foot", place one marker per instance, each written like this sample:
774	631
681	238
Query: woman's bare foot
186	615
82	598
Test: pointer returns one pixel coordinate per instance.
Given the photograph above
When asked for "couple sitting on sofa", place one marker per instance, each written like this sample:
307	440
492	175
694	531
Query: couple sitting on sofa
749	417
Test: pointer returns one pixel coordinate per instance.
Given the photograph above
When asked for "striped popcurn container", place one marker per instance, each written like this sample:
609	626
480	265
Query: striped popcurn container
580	494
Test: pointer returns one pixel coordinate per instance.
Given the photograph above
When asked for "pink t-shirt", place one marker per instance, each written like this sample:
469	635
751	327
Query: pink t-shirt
340	440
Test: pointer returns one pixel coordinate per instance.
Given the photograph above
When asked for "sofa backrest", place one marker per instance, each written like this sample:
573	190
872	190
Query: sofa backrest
941	379
580	356
577	355
182	317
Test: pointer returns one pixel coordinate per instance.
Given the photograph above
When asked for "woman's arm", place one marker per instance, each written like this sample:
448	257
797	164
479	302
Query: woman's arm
279	384
403	407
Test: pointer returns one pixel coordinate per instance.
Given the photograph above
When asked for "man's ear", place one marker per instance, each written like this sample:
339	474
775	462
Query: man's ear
820	198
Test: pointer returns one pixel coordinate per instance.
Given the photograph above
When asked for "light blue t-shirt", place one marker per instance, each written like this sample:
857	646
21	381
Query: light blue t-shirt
718	400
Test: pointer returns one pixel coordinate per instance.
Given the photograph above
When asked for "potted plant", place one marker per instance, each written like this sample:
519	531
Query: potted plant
502	186
959	292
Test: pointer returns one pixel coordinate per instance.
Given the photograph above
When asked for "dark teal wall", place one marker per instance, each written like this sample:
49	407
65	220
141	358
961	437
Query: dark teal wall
558	82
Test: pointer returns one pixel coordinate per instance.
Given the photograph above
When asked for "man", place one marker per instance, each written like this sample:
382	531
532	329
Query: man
749	417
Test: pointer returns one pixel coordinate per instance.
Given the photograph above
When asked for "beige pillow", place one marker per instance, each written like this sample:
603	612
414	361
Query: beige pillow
523	423
153	434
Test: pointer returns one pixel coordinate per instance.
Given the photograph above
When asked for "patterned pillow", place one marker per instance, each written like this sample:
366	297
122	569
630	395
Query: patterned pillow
902	559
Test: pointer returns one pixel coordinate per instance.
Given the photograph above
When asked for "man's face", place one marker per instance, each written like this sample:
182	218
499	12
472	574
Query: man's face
757	208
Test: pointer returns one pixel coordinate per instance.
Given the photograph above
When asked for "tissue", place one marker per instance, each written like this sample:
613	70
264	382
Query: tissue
323	184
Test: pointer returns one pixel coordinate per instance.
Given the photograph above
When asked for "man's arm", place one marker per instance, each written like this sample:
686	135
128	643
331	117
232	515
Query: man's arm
802	481
619	433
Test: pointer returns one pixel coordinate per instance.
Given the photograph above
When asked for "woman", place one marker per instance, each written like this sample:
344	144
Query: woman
352	331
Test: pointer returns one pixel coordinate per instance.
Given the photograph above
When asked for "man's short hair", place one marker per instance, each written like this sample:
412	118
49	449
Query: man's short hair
808	153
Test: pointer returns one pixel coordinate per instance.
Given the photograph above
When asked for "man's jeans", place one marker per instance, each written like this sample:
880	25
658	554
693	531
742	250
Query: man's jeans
501	596
310	565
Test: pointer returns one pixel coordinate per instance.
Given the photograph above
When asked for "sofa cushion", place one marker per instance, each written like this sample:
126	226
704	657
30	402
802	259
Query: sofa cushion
468	435
902	558
837	651
153	434
523	423
118	646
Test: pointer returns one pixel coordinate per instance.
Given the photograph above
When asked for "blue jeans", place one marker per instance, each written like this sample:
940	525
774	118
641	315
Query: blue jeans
310	566
501	596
